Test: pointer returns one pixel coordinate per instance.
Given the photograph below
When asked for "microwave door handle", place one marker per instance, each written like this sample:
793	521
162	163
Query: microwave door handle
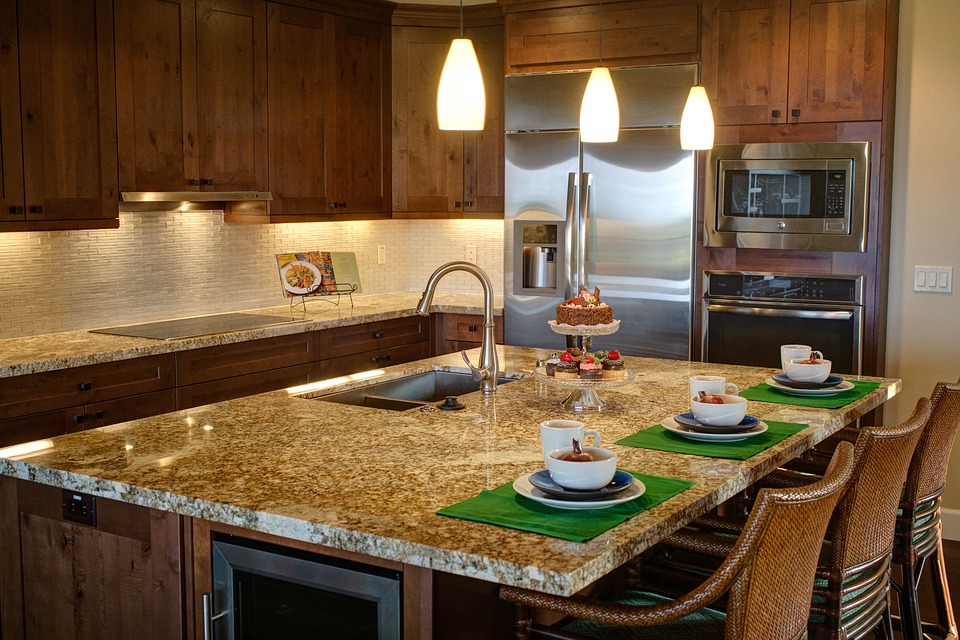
569	238
583	228
813	314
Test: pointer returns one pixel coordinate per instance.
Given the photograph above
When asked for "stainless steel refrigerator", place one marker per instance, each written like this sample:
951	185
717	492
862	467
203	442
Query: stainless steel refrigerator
618	216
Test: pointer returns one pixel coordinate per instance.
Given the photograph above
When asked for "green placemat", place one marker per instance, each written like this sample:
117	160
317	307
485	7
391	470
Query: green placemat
657	437
765	393
504	507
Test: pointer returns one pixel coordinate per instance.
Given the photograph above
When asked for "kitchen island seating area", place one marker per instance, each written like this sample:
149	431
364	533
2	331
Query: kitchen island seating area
768	575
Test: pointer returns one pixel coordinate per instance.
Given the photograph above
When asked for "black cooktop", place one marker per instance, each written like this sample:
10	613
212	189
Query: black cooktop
193	327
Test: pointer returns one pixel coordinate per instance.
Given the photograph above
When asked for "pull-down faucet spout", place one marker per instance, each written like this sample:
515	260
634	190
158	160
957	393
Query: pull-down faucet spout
487	370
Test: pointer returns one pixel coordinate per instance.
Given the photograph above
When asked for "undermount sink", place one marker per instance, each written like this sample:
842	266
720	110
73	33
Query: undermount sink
410	392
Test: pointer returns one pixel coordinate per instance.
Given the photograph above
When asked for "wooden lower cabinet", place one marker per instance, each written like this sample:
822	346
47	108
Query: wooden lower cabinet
119	578
195	395
373	345
457	331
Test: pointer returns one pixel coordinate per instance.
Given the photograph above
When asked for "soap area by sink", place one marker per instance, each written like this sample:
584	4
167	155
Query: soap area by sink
406	392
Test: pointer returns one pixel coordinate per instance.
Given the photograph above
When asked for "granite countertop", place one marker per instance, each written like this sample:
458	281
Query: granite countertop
50	352
370	481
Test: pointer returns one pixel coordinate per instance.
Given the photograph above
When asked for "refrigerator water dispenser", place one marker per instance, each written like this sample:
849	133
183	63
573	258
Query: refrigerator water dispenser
538	253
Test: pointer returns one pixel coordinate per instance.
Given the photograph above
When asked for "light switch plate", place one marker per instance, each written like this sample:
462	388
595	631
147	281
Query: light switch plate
470	255
381	254
933	279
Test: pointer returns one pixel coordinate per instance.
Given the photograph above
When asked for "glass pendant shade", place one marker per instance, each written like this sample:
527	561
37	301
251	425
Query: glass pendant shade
600	110
696	124
461	100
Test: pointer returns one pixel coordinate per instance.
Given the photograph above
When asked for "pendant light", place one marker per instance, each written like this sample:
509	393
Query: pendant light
696	124
600	110
461	100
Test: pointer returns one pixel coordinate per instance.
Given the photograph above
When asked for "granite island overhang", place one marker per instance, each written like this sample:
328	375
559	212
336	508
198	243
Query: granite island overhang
370	481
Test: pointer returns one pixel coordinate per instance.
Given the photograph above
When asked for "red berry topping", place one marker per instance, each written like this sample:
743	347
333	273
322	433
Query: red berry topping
566	357
613	355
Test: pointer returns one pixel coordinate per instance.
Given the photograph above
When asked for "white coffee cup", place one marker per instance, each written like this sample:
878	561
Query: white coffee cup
790	352
711	385
556	434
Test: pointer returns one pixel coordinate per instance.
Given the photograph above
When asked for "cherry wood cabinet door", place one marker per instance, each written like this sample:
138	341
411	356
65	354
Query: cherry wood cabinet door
301	95
11	146
232	85
121	577
67	113
837	59
157	95
745	59
483	150
361	167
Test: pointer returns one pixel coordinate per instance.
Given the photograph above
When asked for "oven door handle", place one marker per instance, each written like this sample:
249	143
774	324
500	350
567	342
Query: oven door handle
816	314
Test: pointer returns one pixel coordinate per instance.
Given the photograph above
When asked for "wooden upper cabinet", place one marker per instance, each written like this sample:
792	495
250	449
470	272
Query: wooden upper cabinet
59	135
445	172
328	87
191	86
570	37
777	61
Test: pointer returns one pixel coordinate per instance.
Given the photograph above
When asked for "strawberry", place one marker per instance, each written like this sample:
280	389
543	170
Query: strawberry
575	353
613	355
566	357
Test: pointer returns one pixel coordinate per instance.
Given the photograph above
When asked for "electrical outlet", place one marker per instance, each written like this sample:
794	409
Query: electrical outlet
935	279
470	255
381	254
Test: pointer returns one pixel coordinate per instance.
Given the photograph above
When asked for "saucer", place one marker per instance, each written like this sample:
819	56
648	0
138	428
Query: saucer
674	427
687	420
785	380
542	480
524	488
846	385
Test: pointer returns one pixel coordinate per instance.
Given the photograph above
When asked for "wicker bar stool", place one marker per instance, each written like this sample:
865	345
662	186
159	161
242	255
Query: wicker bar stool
918	539
768	577
851	590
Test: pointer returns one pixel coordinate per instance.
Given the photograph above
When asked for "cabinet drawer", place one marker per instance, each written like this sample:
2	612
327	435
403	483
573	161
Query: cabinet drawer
242	358
37	426
374	336
637	32
229	388
101	414
40	392
367	360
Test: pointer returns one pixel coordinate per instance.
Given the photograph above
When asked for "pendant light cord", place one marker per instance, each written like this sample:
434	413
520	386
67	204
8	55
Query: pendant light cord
599	34
461	18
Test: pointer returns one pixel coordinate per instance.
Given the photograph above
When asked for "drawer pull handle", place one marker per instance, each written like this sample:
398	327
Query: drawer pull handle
385	358
374	359
795	113
79	419
378	335
98	415
36	208
775	113
85	386
472	327
195	182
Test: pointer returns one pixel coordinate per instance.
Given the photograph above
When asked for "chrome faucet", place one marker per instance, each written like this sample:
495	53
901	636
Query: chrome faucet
488	370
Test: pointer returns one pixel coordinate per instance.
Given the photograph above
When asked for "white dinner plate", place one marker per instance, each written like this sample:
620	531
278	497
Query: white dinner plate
301	290
846	385
522	486
675	427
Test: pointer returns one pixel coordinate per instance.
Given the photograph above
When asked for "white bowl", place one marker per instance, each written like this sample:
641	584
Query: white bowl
594	474
731	412
797	371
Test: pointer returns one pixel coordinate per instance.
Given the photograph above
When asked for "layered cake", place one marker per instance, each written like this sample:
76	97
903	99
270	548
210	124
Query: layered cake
586	309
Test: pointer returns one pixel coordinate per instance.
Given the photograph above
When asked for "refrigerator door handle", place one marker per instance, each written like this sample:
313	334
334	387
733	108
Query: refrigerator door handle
569	239
583	228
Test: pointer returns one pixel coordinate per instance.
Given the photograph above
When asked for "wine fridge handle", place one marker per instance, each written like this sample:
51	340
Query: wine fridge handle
207	616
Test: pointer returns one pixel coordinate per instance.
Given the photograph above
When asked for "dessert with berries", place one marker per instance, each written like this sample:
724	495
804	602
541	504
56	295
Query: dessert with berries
591	369
568	368
585	309
613	366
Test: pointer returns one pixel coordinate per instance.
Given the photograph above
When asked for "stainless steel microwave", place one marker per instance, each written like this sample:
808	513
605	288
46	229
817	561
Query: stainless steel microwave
787	196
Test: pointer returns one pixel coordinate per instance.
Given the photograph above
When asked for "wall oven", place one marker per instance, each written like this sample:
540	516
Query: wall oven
266	592
748	315
787	196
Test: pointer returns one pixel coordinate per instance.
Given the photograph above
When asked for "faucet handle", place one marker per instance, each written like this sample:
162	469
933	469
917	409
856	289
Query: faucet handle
477	374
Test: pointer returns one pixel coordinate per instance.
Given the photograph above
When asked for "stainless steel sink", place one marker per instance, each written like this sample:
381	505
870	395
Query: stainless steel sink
410	392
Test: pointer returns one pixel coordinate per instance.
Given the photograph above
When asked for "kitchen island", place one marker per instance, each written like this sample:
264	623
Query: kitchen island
367	481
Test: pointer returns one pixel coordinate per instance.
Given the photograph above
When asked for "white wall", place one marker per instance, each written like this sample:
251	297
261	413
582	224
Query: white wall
159	266
923	336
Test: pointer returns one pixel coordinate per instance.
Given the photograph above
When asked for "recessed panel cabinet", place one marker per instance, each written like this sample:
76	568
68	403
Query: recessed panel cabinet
794	61
445	173
58	128
191	87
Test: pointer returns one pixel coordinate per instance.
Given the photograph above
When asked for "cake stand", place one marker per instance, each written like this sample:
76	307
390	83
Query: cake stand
583	394
582	333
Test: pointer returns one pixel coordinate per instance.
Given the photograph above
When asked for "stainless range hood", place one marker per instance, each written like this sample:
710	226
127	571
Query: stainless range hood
188	200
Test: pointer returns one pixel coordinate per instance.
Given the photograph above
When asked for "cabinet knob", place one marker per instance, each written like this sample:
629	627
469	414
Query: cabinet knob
795	113
342	205
775	113
36	208
85	386
375	359
79	419
378	335
333	205
98	415
468	203
456	204
16	210
195	182
208	181
385	358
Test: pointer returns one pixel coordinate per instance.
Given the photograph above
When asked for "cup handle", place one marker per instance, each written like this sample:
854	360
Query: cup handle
816	355
596	436
732	389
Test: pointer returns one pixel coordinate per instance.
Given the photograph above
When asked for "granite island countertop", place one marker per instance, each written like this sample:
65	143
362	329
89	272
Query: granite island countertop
51	352
370	481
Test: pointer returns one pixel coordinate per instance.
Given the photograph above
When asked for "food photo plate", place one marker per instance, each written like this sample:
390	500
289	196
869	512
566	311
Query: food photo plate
542	480
300	277
687	420
831	381
846	385
671	425
525	488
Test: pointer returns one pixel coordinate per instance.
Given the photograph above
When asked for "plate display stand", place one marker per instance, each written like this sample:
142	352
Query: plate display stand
583	394
582	333
329	293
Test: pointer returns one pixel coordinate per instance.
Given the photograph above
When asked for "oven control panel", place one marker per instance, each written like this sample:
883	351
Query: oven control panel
782	286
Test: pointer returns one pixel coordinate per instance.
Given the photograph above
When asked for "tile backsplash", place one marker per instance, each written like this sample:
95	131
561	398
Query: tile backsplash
158	266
